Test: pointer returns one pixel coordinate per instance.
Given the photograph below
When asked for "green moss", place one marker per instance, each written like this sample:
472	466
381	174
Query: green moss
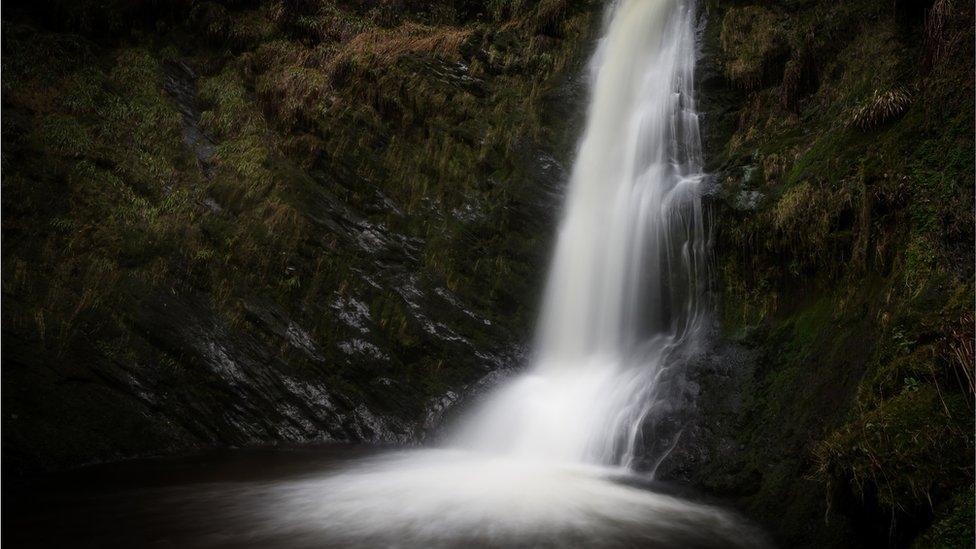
953	526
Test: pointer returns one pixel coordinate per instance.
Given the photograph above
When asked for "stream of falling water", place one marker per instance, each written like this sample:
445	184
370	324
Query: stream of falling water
625	291
547	459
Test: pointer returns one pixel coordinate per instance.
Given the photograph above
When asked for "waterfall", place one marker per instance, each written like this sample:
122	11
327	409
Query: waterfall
626	286
546	460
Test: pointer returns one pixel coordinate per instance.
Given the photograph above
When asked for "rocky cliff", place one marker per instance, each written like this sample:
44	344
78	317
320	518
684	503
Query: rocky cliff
237	223
837	404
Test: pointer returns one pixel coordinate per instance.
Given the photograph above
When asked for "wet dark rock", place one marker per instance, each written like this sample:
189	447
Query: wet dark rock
180	84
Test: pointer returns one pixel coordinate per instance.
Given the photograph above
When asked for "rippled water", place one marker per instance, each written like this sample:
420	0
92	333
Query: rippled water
351	497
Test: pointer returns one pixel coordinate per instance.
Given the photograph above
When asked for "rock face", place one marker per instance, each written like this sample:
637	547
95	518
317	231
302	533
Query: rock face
272	222
842	154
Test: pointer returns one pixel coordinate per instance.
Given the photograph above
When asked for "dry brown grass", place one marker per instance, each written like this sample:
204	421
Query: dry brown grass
938	41
385	46
882	107
961	354
547	16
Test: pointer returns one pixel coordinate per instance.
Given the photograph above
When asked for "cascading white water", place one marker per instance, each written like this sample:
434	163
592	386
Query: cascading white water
630	243
539	463
626	284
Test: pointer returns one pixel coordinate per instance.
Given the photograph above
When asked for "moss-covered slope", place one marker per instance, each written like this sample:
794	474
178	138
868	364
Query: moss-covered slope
841	138
248	222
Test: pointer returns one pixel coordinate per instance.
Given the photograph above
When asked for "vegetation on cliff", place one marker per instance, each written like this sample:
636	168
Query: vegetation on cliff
351	188
844	147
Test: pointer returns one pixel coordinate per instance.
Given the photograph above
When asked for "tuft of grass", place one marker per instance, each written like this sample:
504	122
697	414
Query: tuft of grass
880	108
959	352
940	37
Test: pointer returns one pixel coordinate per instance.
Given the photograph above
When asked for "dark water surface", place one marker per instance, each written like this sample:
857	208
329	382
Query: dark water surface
348	496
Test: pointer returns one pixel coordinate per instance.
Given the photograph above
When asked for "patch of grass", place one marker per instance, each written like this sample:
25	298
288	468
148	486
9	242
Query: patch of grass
882	107
380	47
907	452
753	38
